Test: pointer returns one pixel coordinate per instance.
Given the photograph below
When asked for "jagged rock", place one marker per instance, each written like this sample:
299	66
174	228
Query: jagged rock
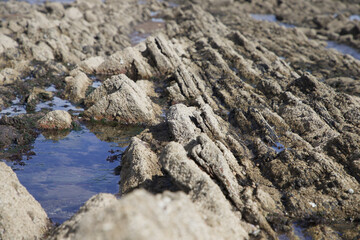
164	216
96	204
128	61
6	42
57	119
181	122
42	52
76	86
22	217
36	94
206	195
90	65
8	135
8	76
120	99
138	165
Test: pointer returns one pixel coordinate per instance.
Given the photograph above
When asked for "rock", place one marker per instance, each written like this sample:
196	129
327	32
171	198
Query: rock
95	204
8	76
181	122
120	99
8	135
73	13
91	64
206	195
36	94
22	217
128	61
164	216
6	42
76	86
42	52
90	16
57	119
138	165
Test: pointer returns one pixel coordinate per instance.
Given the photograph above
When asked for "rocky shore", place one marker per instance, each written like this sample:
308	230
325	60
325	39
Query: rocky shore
251	128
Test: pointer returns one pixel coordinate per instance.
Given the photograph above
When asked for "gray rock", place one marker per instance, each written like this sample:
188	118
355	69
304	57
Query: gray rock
8	76
6	42
140	215
21	216
73	13
57	119
138	165
91	64
121	99
76	86
96	204
206	195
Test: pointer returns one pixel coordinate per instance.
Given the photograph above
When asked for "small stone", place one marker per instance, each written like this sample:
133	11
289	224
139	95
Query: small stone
351	191
312	204
57	119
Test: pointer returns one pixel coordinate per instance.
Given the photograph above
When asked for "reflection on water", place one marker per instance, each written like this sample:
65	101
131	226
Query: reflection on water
58	104
344	49
278	147
16	109
297	233
67	171
55	104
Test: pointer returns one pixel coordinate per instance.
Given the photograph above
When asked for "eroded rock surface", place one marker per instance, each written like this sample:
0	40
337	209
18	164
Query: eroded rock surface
141	215
121	99
57	120
22	217
259	122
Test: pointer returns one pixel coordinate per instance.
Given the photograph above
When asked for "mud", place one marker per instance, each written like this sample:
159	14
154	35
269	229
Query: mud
246	108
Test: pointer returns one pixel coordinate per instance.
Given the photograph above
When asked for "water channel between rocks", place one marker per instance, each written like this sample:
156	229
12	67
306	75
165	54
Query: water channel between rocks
70	167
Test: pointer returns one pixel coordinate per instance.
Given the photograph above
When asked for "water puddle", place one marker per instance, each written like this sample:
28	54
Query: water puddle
96	84
344	49
58	104
15	109
278	147
52	88
70	167
354	18
297	233
55	104
270	18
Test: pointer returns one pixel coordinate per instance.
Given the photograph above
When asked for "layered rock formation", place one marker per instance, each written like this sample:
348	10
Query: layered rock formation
260	123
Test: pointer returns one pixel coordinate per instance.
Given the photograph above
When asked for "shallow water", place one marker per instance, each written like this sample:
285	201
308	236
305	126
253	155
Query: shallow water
344	49
15	109
67	171
298	232
278	147
270	18
354	18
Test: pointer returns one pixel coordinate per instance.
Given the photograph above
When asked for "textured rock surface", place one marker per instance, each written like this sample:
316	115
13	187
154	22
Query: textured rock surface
22	217
57	119
138	165
164	216
260	120
76	86
120	99
95	205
